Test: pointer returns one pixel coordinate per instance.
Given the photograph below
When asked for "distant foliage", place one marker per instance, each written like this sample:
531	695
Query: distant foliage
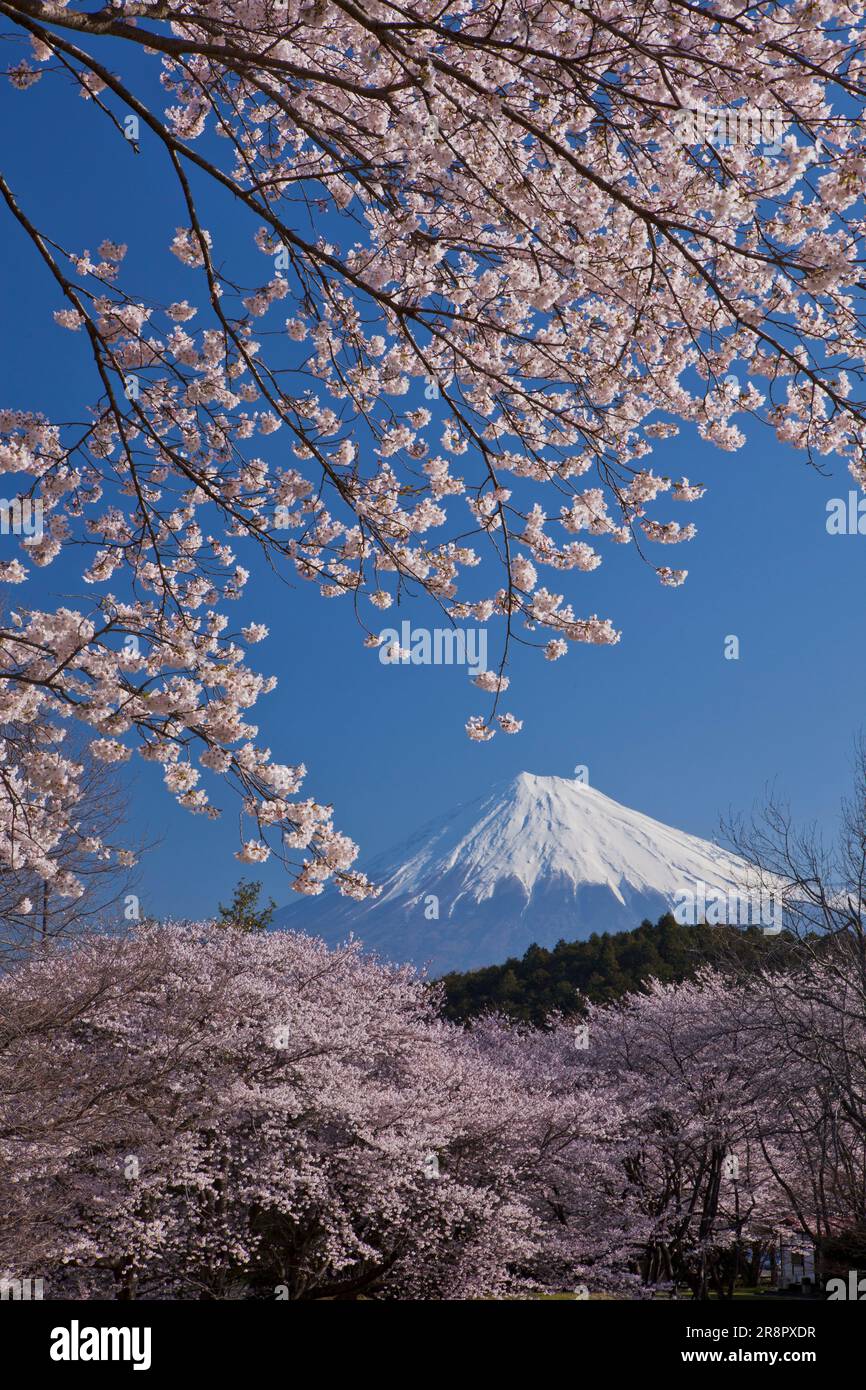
604	968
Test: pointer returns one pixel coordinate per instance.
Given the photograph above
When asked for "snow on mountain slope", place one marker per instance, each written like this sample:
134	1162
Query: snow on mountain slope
537	860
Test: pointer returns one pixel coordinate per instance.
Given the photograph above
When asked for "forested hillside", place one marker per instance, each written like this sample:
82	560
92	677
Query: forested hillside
605	967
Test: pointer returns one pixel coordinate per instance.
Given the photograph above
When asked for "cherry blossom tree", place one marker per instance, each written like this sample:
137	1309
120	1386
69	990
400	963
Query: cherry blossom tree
79	867
571	1138
815	1008
496	256
204	1113
196	1112
693	1078
811	1135
744	1115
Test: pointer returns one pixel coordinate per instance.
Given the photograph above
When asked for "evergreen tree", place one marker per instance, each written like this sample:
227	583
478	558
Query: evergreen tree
243	912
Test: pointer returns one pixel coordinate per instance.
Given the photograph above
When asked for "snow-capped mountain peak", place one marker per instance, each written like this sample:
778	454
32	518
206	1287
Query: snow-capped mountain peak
536	860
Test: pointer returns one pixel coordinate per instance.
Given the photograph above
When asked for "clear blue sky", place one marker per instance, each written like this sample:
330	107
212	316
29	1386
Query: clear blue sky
663	721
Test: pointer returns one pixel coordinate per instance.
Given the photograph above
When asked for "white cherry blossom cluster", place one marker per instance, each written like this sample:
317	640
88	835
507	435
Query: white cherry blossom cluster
522	284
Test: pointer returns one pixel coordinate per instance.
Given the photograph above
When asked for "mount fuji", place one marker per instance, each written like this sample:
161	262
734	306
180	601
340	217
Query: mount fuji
538	859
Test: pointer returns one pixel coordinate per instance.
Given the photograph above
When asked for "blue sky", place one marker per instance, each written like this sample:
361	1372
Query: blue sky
663	722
